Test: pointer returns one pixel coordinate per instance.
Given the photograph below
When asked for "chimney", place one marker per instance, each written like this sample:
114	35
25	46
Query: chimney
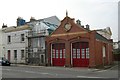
32	19
87	27
20	21
78	22
4	26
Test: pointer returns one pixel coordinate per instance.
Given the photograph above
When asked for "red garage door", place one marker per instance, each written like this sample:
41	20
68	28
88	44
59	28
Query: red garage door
58	54
80	54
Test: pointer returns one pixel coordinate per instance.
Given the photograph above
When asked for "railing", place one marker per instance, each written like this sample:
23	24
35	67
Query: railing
35	34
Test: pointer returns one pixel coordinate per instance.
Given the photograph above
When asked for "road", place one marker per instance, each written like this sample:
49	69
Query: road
22	71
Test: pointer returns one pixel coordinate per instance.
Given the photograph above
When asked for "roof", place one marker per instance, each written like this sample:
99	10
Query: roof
16	28
106	30
51	26
52	20
100	37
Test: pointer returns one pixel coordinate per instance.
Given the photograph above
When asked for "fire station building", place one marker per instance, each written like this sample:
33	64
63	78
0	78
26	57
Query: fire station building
73	45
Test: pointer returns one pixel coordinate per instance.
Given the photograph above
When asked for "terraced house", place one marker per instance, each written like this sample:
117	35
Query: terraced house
74	45
25	43
15	43
2	46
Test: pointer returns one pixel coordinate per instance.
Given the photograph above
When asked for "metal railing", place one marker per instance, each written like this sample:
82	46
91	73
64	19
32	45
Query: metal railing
35	33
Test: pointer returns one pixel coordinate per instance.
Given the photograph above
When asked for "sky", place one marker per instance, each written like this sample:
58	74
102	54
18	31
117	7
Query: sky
98	14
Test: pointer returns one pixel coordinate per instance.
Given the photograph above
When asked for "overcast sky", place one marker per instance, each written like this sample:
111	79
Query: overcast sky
97	13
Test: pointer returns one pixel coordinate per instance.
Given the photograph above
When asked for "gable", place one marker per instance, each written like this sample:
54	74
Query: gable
71	27
109	30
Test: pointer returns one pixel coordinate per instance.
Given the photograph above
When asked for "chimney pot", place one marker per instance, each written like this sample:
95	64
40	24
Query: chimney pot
78	22
87	27
4	26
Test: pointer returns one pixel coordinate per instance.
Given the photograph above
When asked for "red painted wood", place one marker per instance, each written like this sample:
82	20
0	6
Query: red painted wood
57	60
79	61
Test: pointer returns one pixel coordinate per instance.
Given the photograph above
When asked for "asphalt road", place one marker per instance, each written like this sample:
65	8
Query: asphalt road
22	71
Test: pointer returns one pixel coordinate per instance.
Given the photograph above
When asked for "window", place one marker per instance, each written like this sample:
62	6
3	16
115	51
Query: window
61	53
74	53
87	52
22	37
53	53
9	39
104	51
78	53
35	42
83	53
22	54
56	53
15	54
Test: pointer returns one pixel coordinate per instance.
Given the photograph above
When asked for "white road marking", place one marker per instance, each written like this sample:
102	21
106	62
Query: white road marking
7	69
44	73
87	77
102	71
29	71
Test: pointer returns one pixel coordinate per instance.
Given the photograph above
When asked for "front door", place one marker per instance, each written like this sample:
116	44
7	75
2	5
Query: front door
9	55
80	54
58	54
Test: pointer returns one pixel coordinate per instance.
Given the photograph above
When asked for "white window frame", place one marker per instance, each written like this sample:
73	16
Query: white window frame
61	53
104	51
87	53
74	53
78	53
83	53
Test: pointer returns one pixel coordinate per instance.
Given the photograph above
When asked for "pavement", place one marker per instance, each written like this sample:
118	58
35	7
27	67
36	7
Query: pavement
73	68
32	71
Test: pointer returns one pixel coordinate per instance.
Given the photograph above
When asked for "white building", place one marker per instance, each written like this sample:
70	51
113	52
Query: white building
15	43
21	42
105	32
115	45
1	43
36	38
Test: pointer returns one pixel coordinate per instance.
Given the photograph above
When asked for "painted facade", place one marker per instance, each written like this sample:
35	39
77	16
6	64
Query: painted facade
1	43
73	45
36	38
15	43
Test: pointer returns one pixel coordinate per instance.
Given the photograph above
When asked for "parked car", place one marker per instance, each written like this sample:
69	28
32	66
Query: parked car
4	62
